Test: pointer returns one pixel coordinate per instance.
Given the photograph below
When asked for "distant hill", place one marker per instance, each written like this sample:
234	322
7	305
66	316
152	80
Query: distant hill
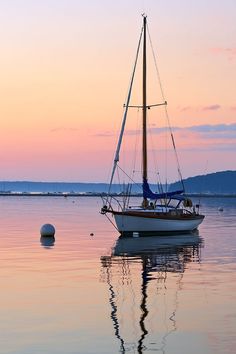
215	183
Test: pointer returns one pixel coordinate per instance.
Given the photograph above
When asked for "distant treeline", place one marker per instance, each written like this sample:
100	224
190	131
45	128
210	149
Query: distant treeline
220	183
60	187
215	183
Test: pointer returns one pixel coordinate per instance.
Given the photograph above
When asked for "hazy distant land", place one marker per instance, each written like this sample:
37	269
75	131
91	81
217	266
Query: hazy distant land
219	183
223	182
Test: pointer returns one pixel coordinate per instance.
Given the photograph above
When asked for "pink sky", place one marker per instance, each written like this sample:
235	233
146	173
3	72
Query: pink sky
65	69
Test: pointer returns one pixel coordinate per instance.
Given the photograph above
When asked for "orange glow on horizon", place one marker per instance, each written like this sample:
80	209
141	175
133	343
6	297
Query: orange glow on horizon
64	81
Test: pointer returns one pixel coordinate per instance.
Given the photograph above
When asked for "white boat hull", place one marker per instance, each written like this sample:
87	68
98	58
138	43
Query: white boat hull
130	223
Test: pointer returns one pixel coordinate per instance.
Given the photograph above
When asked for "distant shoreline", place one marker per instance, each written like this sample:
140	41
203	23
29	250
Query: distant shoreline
65	195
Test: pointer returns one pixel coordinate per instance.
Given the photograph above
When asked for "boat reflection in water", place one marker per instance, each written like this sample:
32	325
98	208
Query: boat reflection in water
144	277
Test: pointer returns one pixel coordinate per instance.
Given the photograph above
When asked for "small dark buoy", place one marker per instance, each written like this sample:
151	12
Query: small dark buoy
92	234
220	209
47	230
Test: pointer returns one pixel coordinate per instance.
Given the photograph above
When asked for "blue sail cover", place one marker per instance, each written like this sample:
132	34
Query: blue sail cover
147	193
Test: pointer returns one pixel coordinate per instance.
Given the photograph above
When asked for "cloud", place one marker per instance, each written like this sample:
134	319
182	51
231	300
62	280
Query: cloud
212	107
208	128
184	109
162	130
217	137
104	134
233	108
206	131
62	129
230	53
224	146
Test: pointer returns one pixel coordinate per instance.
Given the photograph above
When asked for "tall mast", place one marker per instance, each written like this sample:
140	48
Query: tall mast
145	201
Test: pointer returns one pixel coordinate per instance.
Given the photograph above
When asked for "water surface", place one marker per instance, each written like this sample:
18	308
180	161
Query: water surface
80	293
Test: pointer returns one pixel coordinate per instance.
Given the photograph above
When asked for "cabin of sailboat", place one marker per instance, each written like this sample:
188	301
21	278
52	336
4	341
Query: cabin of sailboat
161	212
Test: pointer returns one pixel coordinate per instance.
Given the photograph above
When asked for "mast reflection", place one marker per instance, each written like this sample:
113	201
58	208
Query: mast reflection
146	260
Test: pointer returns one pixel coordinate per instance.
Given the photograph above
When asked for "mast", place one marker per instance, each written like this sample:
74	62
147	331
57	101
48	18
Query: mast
145	201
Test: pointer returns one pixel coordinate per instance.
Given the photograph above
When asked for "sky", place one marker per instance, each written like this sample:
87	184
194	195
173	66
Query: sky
65	67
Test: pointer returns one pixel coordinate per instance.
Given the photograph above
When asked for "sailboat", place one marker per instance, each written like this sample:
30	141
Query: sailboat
158	213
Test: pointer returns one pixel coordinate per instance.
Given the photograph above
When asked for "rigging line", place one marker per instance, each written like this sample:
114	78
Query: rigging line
166	156
163	98
109	196
155	63
129	177
175	150
155	161
116	159
167	116
119	179
111	222
136	142
135	153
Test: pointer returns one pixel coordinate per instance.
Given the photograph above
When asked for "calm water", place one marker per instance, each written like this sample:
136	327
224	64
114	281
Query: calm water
90	294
